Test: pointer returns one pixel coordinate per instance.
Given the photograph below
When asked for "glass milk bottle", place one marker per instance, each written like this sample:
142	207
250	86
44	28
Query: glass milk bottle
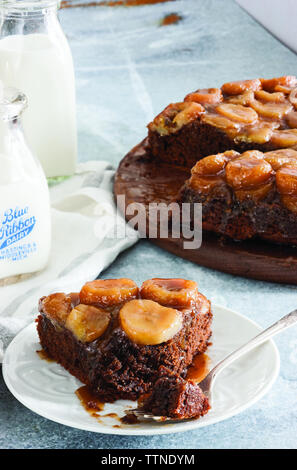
25	222
35	57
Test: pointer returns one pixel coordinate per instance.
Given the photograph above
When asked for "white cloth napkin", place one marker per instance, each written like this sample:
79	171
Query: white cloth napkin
84	223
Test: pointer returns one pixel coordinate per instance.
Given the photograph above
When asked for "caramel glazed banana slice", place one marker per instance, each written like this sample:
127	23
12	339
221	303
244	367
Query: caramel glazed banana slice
178	293
108	292
146	322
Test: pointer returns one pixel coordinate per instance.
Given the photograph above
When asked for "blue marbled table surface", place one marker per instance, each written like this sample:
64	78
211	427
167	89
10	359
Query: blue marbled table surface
128	68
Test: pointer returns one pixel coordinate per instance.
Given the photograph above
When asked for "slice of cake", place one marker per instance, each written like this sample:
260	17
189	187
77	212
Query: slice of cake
115	337
176	398
247	195
259	114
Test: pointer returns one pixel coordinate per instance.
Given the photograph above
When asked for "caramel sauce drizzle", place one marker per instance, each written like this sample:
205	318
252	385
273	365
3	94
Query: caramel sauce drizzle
45	356
199	368
93	405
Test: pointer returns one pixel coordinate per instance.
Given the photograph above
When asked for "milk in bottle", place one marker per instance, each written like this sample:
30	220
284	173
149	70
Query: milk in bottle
35	58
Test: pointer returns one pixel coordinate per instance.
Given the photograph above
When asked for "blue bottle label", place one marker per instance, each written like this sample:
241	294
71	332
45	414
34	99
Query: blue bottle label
15	225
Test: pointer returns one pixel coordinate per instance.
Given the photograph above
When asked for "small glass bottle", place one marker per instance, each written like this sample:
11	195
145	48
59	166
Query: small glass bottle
35	57
25	220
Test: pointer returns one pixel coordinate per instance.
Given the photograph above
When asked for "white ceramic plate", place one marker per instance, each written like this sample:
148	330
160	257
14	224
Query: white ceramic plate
47	389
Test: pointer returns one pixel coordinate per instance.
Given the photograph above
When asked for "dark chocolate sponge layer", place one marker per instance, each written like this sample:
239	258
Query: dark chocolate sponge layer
195	141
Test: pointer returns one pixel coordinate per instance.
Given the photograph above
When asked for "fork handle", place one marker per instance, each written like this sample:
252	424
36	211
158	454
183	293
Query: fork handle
282	324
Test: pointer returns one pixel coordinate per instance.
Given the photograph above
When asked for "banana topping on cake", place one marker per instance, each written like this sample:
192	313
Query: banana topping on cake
271	109
206	96
147	322
208	172
244	99
248	170
221	122
87	322
258	134
213	164
284	138
286	181
239	87
279	83
276	97
291	119
56	306
175	116
278	158
238	113
108	292
178	293
293	97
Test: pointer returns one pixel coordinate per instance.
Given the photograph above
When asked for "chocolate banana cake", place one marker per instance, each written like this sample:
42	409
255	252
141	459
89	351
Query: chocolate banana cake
176	398
247	195
258	114
116	338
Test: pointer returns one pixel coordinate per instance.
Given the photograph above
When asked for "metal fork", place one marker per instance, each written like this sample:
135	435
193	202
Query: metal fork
207	383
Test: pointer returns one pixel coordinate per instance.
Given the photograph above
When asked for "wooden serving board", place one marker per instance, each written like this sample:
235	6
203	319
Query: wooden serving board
141	180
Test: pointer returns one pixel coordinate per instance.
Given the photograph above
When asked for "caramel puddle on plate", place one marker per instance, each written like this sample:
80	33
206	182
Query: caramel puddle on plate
172	18
112	3
89	401
199	368
93	405
45	356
